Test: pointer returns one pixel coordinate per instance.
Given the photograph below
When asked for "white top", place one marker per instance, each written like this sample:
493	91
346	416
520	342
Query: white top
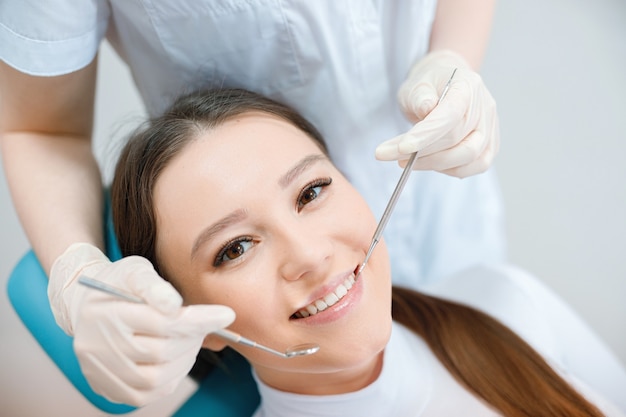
414	383
340	63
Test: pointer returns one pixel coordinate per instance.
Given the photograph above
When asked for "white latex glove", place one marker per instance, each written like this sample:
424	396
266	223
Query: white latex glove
458	137
130	353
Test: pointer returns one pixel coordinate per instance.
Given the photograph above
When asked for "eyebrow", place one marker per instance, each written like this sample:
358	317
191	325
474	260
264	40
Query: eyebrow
241	214
208	233
299	168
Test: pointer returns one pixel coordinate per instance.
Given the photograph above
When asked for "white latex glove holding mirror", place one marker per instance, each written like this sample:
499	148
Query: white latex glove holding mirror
130	353
458	137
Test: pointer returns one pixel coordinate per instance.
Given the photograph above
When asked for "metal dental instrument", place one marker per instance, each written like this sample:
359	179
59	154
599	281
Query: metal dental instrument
396	193
299	350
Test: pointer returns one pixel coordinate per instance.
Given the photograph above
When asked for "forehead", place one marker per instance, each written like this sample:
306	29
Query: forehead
252	137
255	134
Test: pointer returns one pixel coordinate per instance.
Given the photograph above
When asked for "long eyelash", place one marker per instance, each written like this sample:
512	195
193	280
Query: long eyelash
220	254
320	182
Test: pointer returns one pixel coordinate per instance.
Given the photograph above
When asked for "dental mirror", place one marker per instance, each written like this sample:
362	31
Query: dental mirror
292	352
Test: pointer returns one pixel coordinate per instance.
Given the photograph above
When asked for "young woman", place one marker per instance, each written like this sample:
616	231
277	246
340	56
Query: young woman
233	199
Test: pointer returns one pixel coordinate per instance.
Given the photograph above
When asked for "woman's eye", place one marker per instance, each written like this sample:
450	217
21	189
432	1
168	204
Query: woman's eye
232	250
309	195
312	191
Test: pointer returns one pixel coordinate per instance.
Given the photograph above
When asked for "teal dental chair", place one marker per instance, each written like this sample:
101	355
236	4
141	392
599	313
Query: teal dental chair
227	391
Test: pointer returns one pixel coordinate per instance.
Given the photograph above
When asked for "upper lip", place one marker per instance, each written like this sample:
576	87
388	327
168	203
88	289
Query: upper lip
327	288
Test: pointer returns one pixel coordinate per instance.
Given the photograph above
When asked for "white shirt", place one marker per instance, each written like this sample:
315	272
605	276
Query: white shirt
410	384
340	63
414	383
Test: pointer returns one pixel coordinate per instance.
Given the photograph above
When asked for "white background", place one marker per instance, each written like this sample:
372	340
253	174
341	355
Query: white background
557	69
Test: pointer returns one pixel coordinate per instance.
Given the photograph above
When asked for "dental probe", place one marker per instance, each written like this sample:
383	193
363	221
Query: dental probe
396	193
299	350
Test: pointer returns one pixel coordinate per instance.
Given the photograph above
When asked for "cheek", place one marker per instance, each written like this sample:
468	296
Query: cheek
196	288
206	292
355	215
195	295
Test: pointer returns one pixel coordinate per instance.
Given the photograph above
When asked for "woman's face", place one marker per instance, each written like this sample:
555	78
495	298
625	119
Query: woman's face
254	216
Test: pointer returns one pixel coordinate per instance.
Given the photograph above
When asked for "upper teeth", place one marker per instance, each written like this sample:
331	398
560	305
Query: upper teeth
328	300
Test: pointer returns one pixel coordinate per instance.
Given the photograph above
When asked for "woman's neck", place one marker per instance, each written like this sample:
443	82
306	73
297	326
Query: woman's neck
324	383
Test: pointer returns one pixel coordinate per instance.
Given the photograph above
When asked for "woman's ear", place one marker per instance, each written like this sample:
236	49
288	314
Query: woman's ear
214	343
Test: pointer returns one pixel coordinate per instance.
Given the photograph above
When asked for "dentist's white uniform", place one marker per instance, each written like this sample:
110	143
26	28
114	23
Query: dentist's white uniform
340	63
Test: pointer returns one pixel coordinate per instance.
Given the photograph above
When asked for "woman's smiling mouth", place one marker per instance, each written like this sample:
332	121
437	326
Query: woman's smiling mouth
326	301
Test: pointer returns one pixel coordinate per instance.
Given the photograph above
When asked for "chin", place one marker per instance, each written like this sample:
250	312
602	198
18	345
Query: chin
367	344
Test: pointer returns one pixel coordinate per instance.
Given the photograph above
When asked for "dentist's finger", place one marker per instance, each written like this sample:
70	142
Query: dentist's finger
442	120
480	165
417	100
194	320
142	280
466	152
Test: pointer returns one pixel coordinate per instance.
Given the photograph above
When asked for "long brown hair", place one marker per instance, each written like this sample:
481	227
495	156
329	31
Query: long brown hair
481	353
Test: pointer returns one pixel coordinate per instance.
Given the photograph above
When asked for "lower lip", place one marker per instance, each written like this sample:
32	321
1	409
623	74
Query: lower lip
338	310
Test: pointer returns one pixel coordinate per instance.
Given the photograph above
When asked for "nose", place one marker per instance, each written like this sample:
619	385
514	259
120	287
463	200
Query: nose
305	250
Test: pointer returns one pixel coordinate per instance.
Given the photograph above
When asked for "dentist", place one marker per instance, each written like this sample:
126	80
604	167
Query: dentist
368	74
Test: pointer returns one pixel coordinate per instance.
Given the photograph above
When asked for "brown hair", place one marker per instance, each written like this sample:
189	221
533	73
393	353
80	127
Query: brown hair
481	353
488	358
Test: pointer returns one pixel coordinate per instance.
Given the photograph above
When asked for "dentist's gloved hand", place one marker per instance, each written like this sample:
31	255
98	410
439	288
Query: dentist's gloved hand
130	353
458	137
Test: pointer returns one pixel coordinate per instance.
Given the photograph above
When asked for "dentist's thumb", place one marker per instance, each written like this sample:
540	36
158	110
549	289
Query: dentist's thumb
202	319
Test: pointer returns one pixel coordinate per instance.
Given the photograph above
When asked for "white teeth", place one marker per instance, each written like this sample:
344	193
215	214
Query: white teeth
349	282
328	300
340	292
331	299
321	305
